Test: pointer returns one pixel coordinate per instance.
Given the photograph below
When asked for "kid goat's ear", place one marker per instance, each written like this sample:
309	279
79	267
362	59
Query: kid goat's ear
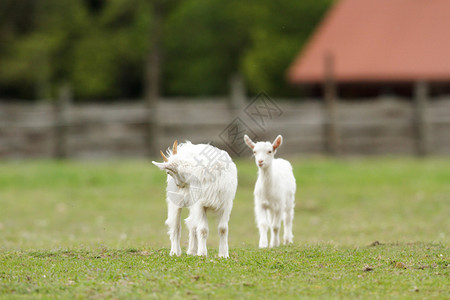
249	142
161	166
277	142
164	166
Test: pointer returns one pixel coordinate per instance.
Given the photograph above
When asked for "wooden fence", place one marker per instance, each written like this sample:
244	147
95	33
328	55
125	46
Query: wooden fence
363	127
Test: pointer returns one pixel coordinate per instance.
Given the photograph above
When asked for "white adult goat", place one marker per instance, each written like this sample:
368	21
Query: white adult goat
202	178
274	192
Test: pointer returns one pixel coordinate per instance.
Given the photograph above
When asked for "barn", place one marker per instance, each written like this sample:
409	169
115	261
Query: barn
378	47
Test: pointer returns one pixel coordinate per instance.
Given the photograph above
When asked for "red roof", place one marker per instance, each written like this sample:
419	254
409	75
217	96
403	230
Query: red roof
380	41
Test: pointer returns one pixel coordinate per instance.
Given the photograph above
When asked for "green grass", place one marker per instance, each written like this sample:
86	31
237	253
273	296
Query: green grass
88	230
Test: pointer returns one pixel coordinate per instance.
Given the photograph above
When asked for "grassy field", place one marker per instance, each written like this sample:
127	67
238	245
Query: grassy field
364	228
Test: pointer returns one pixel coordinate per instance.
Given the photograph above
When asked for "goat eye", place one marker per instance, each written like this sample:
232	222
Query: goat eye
270	152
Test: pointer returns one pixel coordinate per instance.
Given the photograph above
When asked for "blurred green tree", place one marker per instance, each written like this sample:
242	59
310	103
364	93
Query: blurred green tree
207	42
102	47
283	29
99	50
204	44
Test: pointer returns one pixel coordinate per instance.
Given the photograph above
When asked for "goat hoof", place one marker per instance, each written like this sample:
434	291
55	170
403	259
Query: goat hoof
288	242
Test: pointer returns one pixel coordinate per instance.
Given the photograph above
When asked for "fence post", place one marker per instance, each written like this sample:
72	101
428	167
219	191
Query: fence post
152	81
420	118
237	93
61	111
332	142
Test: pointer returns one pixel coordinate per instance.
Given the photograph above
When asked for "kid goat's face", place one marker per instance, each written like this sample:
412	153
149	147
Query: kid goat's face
263	151
172	167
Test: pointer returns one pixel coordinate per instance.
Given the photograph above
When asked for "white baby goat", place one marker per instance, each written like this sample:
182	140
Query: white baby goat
202	178
274	192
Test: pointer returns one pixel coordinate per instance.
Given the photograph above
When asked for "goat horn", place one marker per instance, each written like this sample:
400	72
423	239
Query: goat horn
163	156
174	147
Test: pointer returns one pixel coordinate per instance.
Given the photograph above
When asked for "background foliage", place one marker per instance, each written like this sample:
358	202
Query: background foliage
100	47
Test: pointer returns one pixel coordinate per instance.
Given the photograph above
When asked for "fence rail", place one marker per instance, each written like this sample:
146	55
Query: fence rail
367	126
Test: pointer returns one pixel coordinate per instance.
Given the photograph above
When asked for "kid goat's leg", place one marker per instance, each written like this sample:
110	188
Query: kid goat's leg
192	226
174	223
224	217
288	218
263	225
192	248
202	230
275	228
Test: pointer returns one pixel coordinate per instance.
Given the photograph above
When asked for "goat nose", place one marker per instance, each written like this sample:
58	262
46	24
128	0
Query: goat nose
260	161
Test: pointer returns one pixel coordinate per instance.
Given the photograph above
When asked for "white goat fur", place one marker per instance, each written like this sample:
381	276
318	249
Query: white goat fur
274	193
202	183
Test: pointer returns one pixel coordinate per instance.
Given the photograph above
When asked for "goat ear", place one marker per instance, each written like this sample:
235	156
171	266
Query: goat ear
277	142
249	142
161	166
164	166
